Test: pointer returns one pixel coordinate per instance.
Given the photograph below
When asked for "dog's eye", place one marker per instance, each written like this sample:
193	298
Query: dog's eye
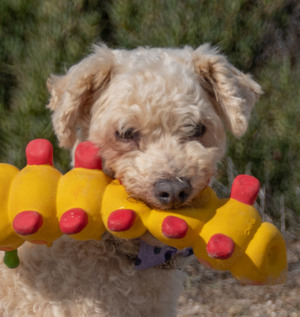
127	135
199	130
195	131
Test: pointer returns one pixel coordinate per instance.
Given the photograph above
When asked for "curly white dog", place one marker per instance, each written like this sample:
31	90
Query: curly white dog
157	115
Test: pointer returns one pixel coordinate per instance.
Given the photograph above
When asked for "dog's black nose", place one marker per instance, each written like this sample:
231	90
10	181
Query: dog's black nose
172	193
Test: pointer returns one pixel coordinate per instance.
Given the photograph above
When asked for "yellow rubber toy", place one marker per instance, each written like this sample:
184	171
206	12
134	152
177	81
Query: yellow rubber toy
32	207
39	204
9	240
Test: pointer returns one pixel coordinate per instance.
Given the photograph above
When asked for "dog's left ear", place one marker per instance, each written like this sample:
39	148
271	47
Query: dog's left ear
233	93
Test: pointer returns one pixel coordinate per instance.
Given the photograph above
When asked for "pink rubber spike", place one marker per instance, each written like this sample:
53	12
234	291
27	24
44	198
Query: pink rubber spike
27	222
86	156
174	227
73	221
220	246
121	220
245	189
39	152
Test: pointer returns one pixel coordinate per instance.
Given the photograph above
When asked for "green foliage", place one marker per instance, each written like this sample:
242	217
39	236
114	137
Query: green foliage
38	38
237	27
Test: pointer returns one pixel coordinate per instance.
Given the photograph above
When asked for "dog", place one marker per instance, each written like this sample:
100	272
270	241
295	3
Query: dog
158	116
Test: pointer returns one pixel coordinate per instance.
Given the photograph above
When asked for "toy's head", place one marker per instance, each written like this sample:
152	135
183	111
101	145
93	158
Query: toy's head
156	114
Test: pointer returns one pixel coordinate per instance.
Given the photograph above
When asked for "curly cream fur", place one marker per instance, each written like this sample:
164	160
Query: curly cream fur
160	95
88	278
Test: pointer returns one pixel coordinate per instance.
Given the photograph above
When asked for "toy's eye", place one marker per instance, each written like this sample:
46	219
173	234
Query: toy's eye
127	135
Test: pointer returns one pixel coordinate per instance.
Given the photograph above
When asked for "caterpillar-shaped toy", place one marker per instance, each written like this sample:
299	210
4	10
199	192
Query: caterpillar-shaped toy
38	204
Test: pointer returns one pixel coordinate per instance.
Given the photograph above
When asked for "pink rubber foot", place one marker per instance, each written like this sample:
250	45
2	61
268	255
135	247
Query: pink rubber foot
27	222
220	246
86	156
73	221
245	189
174	227
39	152
121	220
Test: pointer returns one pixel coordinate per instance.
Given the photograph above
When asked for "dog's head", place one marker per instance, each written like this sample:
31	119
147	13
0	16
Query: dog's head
156	114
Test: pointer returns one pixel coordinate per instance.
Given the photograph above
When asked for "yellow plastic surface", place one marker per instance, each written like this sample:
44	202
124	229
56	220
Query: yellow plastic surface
116	198
34	188
9	240
259	254
263	258
196	215
83	188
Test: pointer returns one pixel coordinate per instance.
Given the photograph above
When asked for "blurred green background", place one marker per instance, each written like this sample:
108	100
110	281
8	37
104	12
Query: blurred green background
38	38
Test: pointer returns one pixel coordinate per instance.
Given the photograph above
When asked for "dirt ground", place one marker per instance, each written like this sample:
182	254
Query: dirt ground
218	294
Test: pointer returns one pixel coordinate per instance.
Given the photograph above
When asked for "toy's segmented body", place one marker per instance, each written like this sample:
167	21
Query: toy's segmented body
38	204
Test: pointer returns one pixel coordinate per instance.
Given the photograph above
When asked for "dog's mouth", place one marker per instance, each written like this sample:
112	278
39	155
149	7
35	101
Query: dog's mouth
169	194
165	193
109	172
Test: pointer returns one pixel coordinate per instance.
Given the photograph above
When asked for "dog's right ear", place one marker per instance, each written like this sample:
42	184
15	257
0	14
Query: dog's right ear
73	94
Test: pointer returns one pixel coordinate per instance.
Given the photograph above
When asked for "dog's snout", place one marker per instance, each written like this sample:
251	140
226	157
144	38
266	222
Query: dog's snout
172	193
